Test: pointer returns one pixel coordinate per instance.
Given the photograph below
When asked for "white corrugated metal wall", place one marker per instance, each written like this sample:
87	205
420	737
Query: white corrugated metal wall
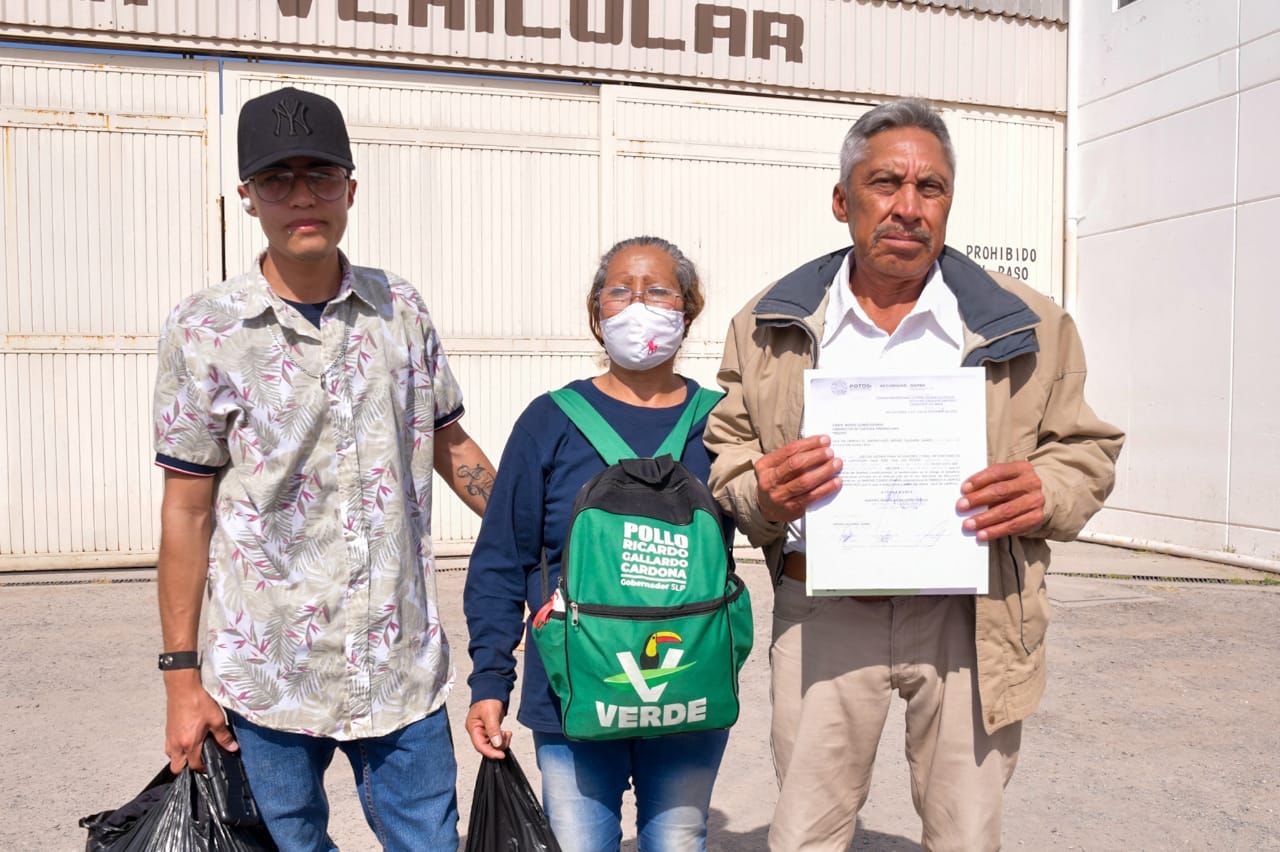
1014	57
110	210
494	197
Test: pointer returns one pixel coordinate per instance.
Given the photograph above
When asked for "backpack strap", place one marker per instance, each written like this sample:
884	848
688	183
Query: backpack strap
610	445
699	407
606	440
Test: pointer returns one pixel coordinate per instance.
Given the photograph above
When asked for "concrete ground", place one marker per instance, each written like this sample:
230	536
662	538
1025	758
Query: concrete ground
1160	729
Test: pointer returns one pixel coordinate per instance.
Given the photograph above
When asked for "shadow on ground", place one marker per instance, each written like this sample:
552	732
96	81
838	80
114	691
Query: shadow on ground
865	838
721	839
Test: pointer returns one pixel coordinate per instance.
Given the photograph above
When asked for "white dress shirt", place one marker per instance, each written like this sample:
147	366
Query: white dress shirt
929	338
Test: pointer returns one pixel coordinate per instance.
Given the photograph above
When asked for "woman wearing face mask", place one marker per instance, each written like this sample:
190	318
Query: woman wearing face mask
643	298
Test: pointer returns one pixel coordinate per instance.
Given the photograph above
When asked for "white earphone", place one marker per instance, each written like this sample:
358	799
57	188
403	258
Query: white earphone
247	204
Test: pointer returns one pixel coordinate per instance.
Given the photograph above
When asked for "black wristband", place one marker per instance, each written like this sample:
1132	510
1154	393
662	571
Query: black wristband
179	660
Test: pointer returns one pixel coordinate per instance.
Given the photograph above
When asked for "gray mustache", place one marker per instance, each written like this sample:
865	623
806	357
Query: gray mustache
891	230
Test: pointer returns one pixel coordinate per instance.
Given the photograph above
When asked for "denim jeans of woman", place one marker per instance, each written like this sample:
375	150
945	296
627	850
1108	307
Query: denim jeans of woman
583	783
405	780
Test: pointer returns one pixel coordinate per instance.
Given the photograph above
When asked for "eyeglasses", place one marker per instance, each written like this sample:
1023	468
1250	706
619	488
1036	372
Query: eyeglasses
616	298
325	183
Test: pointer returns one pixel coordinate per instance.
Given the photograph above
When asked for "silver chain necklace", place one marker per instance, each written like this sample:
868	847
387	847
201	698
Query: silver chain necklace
338	359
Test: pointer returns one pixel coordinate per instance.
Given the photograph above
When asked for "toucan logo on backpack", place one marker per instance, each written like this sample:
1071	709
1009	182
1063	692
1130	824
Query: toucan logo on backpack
648	678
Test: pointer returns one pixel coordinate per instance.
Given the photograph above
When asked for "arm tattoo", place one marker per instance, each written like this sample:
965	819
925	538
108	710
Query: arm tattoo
478	479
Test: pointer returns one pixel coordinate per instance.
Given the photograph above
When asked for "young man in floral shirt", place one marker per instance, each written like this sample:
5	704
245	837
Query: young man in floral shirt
299	412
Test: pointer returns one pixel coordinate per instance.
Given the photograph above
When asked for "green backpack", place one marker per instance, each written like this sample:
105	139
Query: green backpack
649	625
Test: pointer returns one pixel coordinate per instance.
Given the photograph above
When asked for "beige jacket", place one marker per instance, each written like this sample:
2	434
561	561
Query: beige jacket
1035	410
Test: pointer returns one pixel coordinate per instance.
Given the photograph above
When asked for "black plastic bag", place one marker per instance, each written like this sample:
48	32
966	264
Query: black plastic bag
173	813
108	828
505	814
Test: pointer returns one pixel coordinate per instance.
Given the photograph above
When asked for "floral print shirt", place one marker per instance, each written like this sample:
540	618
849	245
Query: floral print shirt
322	612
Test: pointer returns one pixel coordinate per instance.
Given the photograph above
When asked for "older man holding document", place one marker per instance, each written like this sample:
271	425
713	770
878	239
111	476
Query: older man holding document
888	331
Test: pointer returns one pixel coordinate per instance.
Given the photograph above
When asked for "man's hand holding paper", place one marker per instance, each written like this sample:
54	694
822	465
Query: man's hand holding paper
794	477
1013	498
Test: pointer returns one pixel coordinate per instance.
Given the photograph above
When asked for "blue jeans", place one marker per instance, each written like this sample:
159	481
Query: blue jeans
405	780
583	782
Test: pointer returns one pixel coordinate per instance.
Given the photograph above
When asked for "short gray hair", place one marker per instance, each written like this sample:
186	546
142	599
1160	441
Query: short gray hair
686	277
909	112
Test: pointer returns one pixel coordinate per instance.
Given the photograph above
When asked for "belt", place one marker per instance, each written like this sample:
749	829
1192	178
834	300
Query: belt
793	566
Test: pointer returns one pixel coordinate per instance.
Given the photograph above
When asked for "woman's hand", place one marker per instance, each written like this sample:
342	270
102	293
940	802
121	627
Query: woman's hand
484	726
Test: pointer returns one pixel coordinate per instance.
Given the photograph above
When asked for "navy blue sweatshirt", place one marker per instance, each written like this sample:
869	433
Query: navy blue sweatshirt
545	463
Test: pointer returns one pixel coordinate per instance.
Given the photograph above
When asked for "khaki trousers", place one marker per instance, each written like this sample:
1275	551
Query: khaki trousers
836	663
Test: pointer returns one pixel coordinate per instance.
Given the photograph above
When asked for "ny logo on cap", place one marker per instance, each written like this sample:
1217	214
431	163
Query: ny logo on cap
293	112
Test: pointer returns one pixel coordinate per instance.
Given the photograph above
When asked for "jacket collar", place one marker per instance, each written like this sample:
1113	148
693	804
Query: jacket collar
999	326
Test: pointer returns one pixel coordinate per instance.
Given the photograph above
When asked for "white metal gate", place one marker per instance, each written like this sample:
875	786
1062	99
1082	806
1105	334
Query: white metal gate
110	215
495	198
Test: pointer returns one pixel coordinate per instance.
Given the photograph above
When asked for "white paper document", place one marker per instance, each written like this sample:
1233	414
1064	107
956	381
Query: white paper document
907	441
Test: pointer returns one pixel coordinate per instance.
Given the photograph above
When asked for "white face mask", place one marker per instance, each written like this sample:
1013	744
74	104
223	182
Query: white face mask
639	337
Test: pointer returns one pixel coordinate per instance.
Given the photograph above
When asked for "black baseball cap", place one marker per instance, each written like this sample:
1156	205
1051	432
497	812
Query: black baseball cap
291	123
